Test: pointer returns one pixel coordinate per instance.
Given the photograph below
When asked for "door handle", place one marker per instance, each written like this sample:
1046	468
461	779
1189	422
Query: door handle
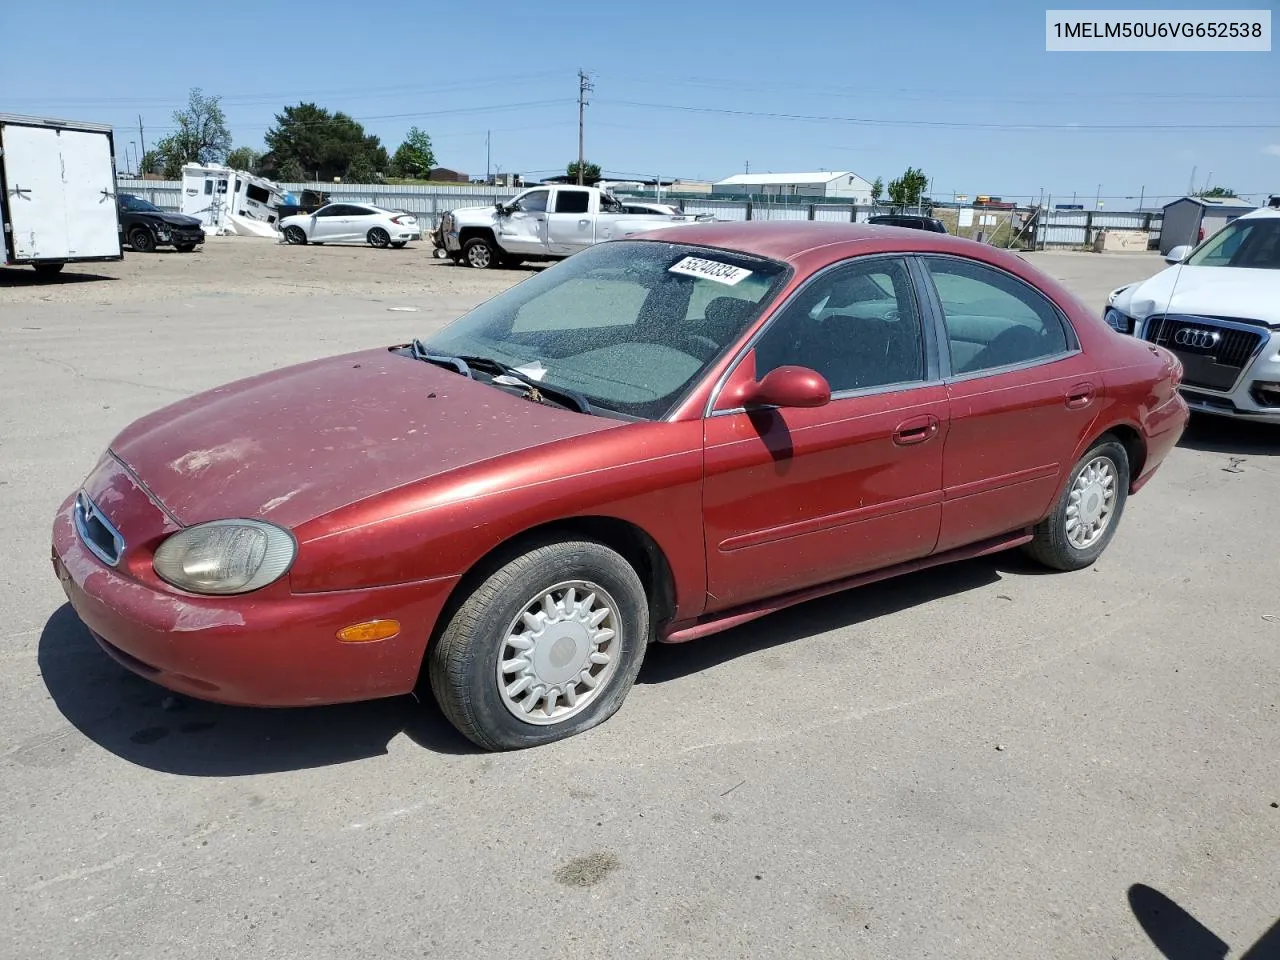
1080	396
915	430
583	223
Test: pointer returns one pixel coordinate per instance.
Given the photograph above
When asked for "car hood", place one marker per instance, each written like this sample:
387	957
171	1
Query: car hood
296	443
1206	291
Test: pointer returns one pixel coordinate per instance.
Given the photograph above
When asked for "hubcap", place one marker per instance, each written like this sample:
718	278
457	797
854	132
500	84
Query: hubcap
479	256
559	653
1091	503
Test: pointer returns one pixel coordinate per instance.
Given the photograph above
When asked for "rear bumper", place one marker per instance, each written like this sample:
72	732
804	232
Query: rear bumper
1164	429
272	648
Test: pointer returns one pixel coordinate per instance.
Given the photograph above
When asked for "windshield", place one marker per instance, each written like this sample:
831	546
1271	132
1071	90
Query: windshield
139	205
629	324
1252	243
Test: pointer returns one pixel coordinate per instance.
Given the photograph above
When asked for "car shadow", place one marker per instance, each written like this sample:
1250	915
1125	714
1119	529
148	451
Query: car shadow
666	662
27	277
1210	434
1180	936
147	725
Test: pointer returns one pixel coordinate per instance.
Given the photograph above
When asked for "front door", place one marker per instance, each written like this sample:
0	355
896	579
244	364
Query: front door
799	497
524	229
1023	398
326	224
570	225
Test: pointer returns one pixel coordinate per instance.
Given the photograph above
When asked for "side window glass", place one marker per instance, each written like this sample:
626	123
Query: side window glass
992	319
572	201
859	326
535	202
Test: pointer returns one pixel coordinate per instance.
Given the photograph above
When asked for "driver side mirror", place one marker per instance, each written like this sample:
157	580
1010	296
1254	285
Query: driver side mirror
502	208
788	387
1178	253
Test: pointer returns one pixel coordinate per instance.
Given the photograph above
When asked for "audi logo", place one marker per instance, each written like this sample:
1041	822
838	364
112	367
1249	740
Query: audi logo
1193	337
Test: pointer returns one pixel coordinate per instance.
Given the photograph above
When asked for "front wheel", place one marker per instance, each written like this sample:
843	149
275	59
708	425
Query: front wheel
480	254
295	235
378	237
547	647
142	240
1084	520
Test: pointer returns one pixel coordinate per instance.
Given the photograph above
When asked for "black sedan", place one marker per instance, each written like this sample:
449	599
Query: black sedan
146	226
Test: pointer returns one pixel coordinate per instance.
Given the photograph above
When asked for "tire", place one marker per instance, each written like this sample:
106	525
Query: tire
48	269
481	254
497	619
142	240
185	247
398	244
378	237
1053	544
295	235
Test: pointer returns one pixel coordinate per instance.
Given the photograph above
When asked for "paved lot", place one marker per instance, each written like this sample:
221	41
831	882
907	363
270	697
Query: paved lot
976	762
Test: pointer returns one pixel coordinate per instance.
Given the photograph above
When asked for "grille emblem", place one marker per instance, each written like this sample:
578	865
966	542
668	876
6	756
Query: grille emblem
1197	338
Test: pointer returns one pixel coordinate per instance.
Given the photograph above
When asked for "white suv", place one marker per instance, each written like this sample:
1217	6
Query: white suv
1218	309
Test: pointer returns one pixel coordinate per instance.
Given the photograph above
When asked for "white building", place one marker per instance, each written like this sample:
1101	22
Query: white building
827	183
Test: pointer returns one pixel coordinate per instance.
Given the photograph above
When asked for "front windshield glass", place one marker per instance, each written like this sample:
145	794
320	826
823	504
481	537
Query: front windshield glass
1251	243
139	205
629	324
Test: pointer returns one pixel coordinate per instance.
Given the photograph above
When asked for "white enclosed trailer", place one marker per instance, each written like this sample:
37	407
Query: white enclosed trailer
57	192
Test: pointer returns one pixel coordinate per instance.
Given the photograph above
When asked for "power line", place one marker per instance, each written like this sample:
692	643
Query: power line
949	124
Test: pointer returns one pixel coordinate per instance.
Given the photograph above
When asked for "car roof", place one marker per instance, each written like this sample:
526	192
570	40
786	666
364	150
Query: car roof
790	240
1261	212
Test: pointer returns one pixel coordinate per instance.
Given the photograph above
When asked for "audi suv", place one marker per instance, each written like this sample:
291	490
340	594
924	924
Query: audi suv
1218	308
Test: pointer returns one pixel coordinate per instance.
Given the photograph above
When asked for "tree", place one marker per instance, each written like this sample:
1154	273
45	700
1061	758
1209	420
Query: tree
243	158
313	142
152	162
877	189
590	173
1217	192
908	189
201	135
414	157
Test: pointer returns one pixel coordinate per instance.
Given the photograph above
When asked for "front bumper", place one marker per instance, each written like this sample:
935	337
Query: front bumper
271	648
1252	393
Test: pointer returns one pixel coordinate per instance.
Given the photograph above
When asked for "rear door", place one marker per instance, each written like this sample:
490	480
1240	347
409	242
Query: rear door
33	181
1022	398
93	223
570	223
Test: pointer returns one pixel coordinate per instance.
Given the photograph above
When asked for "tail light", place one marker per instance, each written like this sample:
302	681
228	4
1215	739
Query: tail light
401	218
1201	240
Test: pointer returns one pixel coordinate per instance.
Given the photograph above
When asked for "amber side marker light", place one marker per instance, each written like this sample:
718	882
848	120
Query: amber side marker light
369	631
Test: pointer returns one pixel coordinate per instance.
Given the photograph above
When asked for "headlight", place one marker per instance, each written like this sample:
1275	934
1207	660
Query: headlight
1117	320
225	556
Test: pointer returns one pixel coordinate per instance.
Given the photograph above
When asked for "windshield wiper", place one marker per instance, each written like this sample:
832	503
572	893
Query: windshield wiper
466	362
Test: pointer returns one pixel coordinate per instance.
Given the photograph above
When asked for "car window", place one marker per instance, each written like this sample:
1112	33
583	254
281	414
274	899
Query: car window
535	202
858	325
993	319
616	322
572	201
1252	243
330	211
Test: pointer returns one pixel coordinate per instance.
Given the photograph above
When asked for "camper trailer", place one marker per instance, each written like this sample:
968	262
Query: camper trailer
57	193
223	198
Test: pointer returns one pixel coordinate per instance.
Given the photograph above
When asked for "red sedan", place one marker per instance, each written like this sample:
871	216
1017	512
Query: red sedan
653	440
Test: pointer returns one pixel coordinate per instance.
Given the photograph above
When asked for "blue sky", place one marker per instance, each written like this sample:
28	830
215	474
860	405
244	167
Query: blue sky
968	93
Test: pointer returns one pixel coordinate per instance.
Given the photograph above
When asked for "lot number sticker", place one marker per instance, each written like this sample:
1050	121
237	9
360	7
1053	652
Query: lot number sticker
711	270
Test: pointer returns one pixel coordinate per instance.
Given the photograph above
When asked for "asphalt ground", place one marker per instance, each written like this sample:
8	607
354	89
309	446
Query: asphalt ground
981	761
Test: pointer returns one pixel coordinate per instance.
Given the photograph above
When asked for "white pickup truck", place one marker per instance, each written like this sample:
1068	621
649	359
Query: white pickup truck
543	223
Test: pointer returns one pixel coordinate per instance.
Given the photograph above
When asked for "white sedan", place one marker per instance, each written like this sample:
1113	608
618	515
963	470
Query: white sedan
352	223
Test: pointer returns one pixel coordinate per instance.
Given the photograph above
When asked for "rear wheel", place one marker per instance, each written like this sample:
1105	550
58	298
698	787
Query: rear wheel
295	235
378	237
547	647
142	240
1086	515
480	253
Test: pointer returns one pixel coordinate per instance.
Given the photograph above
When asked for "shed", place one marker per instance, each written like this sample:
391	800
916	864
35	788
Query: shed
1188	220
826	183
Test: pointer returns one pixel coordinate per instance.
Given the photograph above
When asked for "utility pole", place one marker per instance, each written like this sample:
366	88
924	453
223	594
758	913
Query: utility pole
1191	187
584	87
142	140
748	167
1142	194
488	167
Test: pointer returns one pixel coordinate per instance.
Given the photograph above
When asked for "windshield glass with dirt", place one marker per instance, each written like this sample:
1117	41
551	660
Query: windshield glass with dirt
629	325
1249	243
